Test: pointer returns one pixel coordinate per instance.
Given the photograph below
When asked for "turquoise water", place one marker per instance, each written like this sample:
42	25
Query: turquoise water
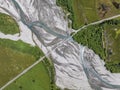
40	24
93	76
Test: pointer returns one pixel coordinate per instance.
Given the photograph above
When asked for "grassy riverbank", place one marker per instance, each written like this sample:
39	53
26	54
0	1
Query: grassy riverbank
8	25
22	47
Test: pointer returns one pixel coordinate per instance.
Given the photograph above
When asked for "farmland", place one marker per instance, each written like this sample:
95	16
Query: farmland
112	45
83	12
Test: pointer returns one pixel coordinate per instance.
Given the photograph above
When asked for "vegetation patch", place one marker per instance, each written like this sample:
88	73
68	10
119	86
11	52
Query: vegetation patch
51	71
92	37
8	25
104	40
112	45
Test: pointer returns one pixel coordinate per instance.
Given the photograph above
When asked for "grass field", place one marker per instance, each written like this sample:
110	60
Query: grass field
15	56
8	25
36	79
84	11
40	77
12	63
